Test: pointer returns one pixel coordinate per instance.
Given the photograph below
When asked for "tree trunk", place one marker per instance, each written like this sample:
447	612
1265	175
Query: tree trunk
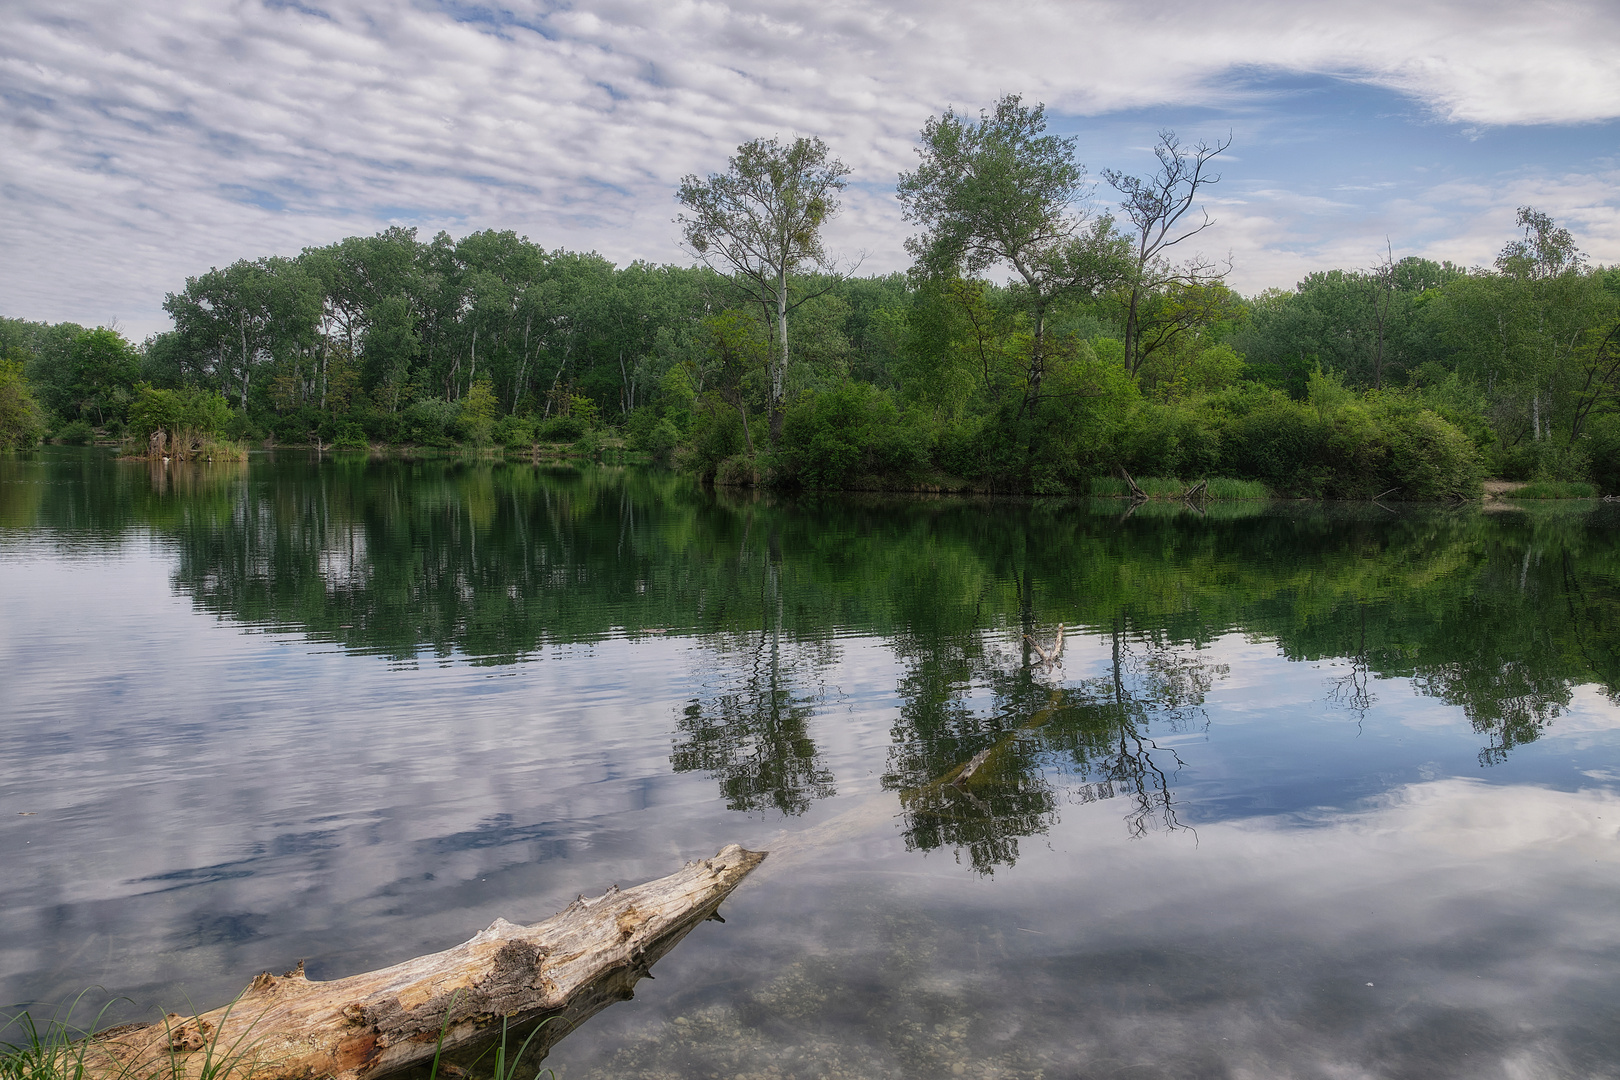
779	374
570	966
244	364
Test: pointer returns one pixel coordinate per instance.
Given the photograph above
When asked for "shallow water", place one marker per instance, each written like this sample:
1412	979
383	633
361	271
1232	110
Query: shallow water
1311	792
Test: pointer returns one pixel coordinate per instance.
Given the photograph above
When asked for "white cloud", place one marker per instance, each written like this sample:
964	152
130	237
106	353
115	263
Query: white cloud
145	142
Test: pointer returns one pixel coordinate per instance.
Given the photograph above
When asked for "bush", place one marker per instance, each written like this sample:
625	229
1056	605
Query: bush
383	427
716	434
299	426
662	440
430	422
1282	444
515	432
563	429
77	433
349	436
831	438
189	418
1603	446
1165	440
589	445
1425	457
739	471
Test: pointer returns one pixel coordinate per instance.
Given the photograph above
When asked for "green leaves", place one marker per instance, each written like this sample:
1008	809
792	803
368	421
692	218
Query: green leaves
21	423
999	191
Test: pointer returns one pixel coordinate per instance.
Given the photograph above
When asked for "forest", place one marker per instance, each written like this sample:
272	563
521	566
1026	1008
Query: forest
1046	337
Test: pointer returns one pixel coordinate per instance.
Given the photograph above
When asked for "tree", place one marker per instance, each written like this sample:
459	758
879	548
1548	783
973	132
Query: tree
735	352
1155	205
1000	192
20	421
761	220
104	368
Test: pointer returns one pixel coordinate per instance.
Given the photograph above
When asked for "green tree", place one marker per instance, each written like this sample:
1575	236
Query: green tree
178	422
104	369
1001	193
478	411
761	221
21	423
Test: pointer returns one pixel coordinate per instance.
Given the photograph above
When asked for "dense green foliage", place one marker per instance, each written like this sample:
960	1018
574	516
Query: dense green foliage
21	423
1410	379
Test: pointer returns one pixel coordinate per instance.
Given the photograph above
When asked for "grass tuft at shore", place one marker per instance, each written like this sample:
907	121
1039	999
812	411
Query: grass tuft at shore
1555	489
1219	488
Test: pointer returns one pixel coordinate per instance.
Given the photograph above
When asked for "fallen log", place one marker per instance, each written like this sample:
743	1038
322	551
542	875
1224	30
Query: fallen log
568	967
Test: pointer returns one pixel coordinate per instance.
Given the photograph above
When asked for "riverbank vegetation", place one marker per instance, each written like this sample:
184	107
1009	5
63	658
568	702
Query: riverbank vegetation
1044	340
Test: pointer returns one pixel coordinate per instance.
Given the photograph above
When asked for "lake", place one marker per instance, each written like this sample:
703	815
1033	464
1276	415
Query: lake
1310	791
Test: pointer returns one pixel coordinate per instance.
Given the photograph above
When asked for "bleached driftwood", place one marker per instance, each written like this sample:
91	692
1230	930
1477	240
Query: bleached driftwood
570	966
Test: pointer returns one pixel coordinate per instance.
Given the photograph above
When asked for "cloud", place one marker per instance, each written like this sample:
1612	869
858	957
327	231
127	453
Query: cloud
146	142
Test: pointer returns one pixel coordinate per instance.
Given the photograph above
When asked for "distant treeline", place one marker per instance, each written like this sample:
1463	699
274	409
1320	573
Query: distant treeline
1413	375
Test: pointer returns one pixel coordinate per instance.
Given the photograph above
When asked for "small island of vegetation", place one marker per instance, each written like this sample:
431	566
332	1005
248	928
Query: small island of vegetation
1035	346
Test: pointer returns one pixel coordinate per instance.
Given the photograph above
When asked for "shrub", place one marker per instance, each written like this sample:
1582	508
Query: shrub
715	435
299	425
350	437
189	418
831	438
1425	457
661	441
1603	438
562	429
1281	444
383	427
588	445
77	433
739	471
514	432
430	422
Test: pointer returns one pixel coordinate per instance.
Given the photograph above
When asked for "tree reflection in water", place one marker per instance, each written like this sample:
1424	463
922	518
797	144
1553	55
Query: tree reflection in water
1503	615
979	782
752	730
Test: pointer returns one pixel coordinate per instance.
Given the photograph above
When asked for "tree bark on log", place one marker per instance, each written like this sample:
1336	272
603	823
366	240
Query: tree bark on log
570	966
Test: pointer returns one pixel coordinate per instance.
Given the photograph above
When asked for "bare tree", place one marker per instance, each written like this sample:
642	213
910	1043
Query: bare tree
760	222
1156	205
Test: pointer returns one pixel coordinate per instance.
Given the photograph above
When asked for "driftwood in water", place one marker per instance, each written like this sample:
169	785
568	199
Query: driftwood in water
570	966
1136	492
1198	490
1048	658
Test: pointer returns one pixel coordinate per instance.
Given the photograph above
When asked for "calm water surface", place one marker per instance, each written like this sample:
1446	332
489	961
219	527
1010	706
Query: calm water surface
1311	792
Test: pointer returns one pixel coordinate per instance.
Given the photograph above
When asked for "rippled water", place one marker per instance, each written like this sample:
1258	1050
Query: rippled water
1311	792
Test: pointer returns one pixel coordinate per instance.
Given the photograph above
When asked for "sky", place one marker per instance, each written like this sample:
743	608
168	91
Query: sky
142	142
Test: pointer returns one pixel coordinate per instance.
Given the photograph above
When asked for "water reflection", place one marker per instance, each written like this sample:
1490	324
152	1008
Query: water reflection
492	562
425	694
979	780
1319	944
